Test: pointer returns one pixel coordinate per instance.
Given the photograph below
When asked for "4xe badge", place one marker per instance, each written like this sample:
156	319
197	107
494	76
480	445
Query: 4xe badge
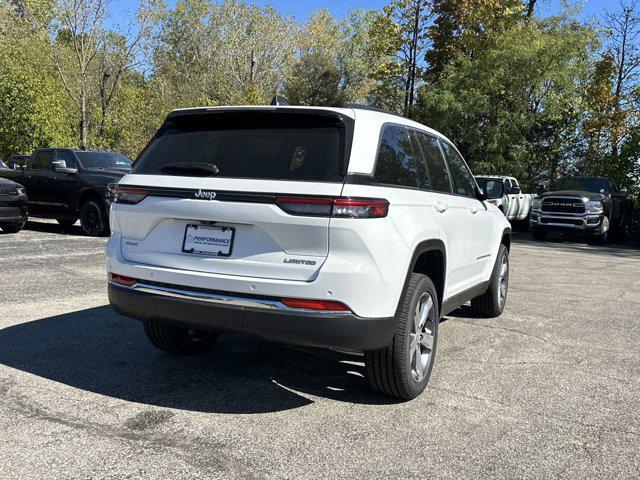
205	195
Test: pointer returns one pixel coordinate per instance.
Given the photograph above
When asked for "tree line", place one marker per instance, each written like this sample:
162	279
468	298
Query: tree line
532	96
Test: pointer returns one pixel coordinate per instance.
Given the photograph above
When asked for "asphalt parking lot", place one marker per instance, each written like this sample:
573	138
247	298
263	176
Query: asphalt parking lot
550	389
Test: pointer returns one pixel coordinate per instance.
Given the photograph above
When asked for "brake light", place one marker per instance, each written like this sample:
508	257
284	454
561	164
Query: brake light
129	195
340	207
322	305
122	280
360	208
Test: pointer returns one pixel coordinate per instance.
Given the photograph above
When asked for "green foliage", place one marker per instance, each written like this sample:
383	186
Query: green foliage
399	36
333	61
462	27
33	105
522	95
512	107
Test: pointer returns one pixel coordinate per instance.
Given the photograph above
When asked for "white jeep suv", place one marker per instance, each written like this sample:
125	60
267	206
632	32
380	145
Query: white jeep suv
346	228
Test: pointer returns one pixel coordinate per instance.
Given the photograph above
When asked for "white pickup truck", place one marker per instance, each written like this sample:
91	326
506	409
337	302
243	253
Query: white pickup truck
515	205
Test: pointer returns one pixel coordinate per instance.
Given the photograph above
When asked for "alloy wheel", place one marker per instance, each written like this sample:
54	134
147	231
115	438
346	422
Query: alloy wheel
422	337
503	280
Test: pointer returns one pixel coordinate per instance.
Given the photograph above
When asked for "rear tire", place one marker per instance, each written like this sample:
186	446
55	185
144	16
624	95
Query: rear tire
402	369
491	303
539	235
178	340
93	218
12	227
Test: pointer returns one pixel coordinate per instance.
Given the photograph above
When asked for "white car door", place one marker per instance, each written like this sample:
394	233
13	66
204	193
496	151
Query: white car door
473	212
522	201
511	209
451	211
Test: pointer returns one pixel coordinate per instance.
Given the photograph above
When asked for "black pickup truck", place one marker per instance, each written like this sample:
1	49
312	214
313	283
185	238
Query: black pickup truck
69	184
13	206
590	206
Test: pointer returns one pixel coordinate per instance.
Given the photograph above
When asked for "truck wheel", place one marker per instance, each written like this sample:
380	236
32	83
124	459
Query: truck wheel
603	236
66	222
491	303
178	340
539	235
402	369
93	219
12	227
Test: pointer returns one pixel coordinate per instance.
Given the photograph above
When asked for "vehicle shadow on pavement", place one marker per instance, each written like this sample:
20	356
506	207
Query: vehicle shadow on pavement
53	227
101	352
627	248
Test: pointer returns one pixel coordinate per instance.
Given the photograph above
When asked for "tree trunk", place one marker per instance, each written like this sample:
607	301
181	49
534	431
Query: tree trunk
530	8
414	57
83	118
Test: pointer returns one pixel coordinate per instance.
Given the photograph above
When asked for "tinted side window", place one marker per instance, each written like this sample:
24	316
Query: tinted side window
463	182
39	161
396	163
67	157
436	169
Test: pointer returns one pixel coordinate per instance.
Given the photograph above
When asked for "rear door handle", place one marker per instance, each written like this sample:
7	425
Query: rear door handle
441	207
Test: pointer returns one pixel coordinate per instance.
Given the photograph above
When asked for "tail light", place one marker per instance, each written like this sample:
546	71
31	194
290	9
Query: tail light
321	305
340	207
129	195
122	280
315	207
360	208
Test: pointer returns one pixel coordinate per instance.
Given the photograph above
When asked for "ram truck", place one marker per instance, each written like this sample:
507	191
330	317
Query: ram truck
13	206
588	206
67	184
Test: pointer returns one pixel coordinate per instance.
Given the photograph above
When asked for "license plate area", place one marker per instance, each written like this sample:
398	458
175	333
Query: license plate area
208	240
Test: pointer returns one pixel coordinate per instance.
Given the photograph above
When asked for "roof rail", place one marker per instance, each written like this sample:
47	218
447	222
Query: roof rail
362	106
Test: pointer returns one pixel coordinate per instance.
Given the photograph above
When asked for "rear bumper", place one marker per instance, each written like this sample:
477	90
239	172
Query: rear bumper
332	330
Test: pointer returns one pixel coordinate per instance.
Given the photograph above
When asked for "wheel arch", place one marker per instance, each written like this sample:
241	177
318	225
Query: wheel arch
506	238
89	194
429	258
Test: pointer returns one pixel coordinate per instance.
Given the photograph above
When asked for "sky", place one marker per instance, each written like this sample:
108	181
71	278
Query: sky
302	8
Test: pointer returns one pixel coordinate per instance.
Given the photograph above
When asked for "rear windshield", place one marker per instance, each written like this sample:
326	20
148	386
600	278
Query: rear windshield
260	145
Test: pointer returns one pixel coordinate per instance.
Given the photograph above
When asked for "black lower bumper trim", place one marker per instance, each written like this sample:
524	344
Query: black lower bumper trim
578	231
346	331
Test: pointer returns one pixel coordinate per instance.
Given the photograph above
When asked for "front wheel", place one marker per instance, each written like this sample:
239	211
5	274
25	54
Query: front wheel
402	369
93	219
491	303
178	340
12	227
603	236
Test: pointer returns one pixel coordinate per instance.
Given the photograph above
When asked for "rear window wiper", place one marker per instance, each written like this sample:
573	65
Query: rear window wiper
191	168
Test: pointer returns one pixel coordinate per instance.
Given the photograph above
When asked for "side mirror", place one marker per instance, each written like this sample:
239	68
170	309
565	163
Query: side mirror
515	190
493	189
540	189
60	166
